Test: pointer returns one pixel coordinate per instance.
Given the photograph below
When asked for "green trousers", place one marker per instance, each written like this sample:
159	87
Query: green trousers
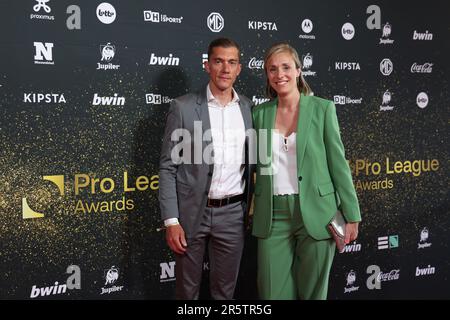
291	264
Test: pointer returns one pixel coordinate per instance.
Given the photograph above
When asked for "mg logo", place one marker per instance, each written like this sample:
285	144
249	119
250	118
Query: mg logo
215	22
386	67
167	271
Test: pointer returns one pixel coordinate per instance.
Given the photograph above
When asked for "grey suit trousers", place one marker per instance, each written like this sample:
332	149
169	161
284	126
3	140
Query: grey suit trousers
223	230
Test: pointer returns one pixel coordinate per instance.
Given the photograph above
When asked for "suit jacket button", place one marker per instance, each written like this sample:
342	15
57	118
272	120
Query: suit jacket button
300	178
210	174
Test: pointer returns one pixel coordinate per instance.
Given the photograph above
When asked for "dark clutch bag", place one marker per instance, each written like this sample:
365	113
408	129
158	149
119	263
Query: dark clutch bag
336	227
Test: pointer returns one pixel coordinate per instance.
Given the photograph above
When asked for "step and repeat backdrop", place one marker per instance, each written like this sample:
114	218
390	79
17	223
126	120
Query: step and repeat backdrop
84	90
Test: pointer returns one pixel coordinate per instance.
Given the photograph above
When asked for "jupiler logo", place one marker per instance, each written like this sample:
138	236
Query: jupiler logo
387	29
42	4
351	278
423	242
107	51
385	104
307	64
111	277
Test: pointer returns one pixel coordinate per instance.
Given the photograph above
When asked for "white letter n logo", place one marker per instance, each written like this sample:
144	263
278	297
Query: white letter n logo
43	51
167	270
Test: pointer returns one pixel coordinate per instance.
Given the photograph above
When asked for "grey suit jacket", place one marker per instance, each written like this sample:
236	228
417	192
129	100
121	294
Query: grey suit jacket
184	187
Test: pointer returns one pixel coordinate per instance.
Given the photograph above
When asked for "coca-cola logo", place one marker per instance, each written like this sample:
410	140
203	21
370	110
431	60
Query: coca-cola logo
422	68
392	275
255	63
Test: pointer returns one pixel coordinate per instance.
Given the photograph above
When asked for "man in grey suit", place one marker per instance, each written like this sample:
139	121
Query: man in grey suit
204	186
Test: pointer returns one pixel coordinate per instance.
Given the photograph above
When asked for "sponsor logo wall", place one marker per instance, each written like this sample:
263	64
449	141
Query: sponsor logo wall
85	90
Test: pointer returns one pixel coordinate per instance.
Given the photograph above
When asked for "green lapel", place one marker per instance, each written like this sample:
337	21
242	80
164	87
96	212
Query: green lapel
303	125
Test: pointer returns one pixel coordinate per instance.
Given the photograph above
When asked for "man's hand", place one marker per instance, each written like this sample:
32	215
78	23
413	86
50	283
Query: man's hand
175	238
351	232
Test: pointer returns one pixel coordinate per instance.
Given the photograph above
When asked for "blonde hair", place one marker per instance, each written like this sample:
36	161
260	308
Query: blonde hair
302	85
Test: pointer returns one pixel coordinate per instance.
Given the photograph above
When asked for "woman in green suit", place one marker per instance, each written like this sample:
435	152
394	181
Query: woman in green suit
302	179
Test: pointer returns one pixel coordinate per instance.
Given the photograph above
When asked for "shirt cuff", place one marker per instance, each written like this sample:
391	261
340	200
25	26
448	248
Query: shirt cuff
171	222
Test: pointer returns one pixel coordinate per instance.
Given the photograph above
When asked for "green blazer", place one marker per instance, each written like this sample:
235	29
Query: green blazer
324	176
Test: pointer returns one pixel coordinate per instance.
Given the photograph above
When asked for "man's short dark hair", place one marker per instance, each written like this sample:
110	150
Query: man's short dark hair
224	43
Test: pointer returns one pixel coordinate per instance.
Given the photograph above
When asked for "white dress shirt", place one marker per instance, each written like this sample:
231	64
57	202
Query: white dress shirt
284	163
228	139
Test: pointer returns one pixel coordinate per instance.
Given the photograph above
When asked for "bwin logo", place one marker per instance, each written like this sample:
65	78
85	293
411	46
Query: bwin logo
422	36
354	247
164	61
108	101
73	282
44	51
425	271
167	271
